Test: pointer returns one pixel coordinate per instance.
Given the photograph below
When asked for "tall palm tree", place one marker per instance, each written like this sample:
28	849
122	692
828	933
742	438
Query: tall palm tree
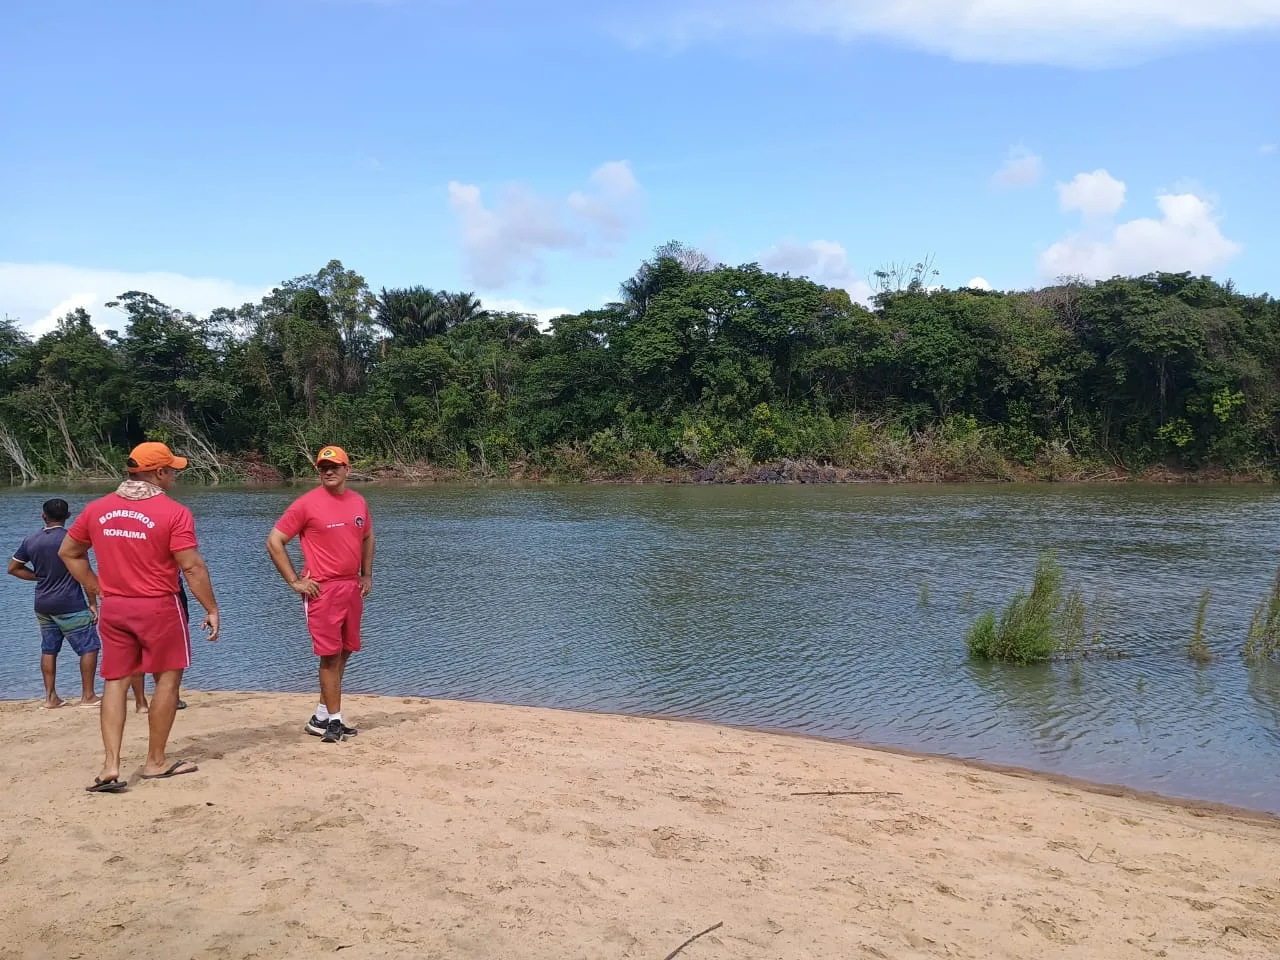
412	314
458	308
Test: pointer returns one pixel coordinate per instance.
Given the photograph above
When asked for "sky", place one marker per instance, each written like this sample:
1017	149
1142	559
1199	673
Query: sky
536	153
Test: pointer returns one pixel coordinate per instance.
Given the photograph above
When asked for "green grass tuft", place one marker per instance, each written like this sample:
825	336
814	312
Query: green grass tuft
1263	643
1198	649
1044	624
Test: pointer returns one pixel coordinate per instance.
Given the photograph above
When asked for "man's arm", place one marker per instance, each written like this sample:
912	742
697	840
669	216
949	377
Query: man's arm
366	565
75	557
20	570
303	586
197	574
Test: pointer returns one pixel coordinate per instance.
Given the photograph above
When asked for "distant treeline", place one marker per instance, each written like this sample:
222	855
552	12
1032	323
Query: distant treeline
697	367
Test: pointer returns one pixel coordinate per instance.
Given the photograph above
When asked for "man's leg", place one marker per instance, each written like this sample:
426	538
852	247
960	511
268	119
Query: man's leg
331	667
350	640
50	646
49	671
347	729
138	684
115	695
86	644
164	705
88	667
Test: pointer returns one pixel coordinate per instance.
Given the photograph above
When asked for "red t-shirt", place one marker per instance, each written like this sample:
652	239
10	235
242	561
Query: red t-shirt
333	528
134	541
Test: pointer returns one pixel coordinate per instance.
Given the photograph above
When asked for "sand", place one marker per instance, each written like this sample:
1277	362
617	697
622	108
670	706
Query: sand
459	830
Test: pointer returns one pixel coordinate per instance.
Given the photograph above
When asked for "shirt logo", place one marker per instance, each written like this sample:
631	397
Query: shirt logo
128	515
360	522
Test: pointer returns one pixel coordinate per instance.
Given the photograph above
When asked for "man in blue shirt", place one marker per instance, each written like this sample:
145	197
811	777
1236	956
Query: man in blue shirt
61	609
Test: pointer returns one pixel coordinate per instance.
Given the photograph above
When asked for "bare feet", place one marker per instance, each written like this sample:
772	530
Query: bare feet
53	702
142	708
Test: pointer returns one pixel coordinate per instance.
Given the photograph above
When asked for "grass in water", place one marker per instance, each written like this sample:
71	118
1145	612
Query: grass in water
1044	624
1198	649
1263	642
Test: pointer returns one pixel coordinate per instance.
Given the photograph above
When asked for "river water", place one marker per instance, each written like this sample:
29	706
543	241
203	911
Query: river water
794	608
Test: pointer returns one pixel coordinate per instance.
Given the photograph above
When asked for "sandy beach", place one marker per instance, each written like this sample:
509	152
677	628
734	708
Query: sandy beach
460	830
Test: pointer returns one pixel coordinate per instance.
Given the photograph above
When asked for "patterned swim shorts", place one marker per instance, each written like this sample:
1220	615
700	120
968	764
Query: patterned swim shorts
79	629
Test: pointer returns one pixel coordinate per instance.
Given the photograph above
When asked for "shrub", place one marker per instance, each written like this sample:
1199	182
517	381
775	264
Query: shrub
1263	642
1036	626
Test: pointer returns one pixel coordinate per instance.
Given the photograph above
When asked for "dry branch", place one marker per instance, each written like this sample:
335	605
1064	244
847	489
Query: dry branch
693	938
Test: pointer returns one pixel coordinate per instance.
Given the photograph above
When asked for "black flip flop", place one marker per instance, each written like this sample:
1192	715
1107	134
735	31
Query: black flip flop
173	771
107	786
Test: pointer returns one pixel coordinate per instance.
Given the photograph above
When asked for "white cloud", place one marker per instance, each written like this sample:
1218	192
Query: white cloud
39	294
822	261
1096	194
509	239
1268	149
1022	169
544	315
611	203
1059	32
978	283
1185	237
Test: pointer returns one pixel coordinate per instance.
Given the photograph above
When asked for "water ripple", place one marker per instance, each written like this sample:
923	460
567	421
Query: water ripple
792	608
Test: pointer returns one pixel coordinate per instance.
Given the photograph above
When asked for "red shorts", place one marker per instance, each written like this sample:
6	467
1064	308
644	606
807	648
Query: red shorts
334	617
143	635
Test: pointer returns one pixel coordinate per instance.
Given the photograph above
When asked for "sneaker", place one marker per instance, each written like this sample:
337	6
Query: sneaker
332	732
315	726
349	731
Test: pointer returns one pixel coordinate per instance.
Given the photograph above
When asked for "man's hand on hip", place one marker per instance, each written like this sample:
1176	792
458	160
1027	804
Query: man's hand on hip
305	587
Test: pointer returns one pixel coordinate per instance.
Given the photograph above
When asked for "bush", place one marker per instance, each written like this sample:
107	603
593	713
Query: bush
1263	642
1036	626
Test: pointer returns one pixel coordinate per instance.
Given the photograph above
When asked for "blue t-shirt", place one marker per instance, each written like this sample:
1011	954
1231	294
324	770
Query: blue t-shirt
56	591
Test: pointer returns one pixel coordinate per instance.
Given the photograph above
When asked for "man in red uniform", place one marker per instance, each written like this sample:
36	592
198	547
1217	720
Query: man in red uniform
141	539
337	574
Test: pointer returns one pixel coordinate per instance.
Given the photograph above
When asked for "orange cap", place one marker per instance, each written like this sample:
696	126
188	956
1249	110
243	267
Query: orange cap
333	455
146	457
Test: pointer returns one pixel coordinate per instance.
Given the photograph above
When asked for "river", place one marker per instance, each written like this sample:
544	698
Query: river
793	608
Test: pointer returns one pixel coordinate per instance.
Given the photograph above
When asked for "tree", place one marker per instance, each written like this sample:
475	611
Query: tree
411	314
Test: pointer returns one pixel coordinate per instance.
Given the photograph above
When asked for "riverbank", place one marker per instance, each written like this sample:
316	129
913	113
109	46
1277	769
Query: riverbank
256	472
471	830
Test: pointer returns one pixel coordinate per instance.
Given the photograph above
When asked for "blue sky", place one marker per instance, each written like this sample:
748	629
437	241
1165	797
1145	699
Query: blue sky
535	153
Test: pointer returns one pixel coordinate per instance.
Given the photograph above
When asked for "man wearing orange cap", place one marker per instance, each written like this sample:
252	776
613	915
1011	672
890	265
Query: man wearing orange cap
337	574
141	539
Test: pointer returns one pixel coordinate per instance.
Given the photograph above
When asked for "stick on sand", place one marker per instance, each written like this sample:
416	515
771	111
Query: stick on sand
691	939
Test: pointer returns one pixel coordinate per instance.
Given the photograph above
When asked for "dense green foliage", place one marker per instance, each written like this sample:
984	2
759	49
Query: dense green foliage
696	364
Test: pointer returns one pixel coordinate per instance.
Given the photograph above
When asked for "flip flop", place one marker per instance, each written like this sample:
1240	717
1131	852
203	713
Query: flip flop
182	704
173	771
89	706
107	786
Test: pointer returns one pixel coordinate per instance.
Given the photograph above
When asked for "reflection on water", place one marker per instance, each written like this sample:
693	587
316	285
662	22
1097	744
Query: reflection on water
794	608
